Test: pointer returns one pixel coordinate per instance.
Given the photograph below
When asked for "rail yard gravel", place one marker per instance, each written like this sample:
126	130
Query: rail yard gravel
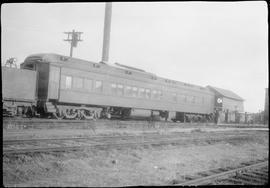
135	165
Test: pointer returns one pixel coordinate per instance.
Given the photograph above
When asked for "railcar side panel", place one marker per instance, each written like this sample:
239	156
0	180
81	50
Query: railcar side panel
54	82
77	93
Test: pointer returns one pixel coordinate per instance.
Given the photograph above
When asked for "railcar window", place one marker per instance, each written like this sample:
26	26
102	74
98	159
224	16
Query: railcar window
114	89
134	91
128	91
30	67
198	100
98	86
120	89
155	94
189	99
182	98
141	92
193	99
206	101
68	82
77	83
88	84
174	97
159	94
147	93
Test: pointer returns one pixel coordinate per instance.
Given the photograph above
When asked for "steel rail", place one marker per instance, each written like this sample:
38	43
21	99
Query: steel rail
153	136
22	141
110	143
70	148
210	178
55	121
40	120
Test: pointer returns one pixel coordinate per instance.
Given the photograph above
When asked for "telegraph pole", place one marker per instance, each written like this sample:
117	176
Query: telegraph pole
73	38
11	62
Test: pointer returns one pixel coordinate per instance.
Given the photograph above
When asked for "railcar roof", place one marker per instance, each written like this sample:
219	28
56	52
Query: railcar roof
226	93
61	60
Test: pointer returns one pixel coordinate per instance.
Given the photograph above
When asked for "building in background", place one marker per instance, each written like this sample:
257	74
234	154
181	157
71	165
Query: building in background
229	105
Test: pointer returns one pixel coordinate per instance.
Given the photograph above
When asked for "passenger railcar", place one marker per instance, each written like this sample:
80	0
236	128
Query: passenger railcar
74	88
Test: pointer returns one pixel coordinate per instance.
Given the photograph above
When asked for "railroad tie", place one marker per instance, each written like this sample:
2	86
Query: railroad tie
263	170
240	181
189	177
215	171
204	174
259	173
253	177
248	178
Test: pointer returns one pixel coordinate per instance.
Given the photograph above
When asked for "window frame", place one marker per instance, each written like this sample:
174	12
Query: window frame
174	97
147	91
101	86
67	82
114	88
76	79
120	89
141	93
128	91
87	80
134	91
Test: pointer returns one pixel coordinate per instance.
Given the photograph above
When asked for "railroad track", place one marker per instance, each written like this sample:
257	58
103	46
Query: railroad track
249	173
52	123
141	136
81	143
39	121
44	123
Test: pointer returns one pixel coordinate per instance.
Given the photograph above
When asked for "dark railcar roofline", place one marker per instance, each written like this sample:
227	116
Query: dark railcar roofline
61	59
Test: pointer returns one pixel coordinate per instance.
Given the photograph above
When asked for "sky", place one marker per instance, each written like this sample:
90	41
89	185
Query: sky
222	44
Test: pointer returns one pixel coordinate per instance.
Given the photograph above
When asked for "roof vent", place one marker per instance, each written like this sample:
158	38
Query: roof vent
129	67
62	58
128	72
153	77
96	65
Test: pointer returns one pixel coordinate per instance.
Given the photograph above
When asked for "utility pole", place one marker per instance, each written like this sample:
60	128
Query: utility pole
73	38
106	34
11	62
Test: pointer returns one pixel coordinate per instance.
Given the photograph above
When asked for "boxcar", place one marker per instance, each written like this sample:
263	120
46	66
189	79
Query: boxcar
18	90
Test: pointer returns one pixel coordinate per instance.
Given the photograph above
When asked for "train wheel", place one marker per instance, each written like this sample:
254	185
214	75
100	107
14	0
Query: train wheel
20	110
58	115
14	112
108	116
70	113
87	114
125	113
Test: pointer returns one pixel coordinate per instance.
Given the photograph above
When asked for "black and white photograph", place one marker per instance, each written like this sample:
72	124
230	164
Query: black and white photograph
124	94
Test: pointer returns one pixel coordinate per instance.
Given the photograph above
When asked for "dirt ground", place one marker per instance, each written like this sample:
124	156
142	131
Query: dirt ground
123	130
129	166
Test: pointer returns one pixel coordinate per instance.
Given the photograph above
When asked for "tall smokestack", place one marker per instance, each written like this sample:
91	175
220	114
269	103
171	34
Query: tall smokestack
106	34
